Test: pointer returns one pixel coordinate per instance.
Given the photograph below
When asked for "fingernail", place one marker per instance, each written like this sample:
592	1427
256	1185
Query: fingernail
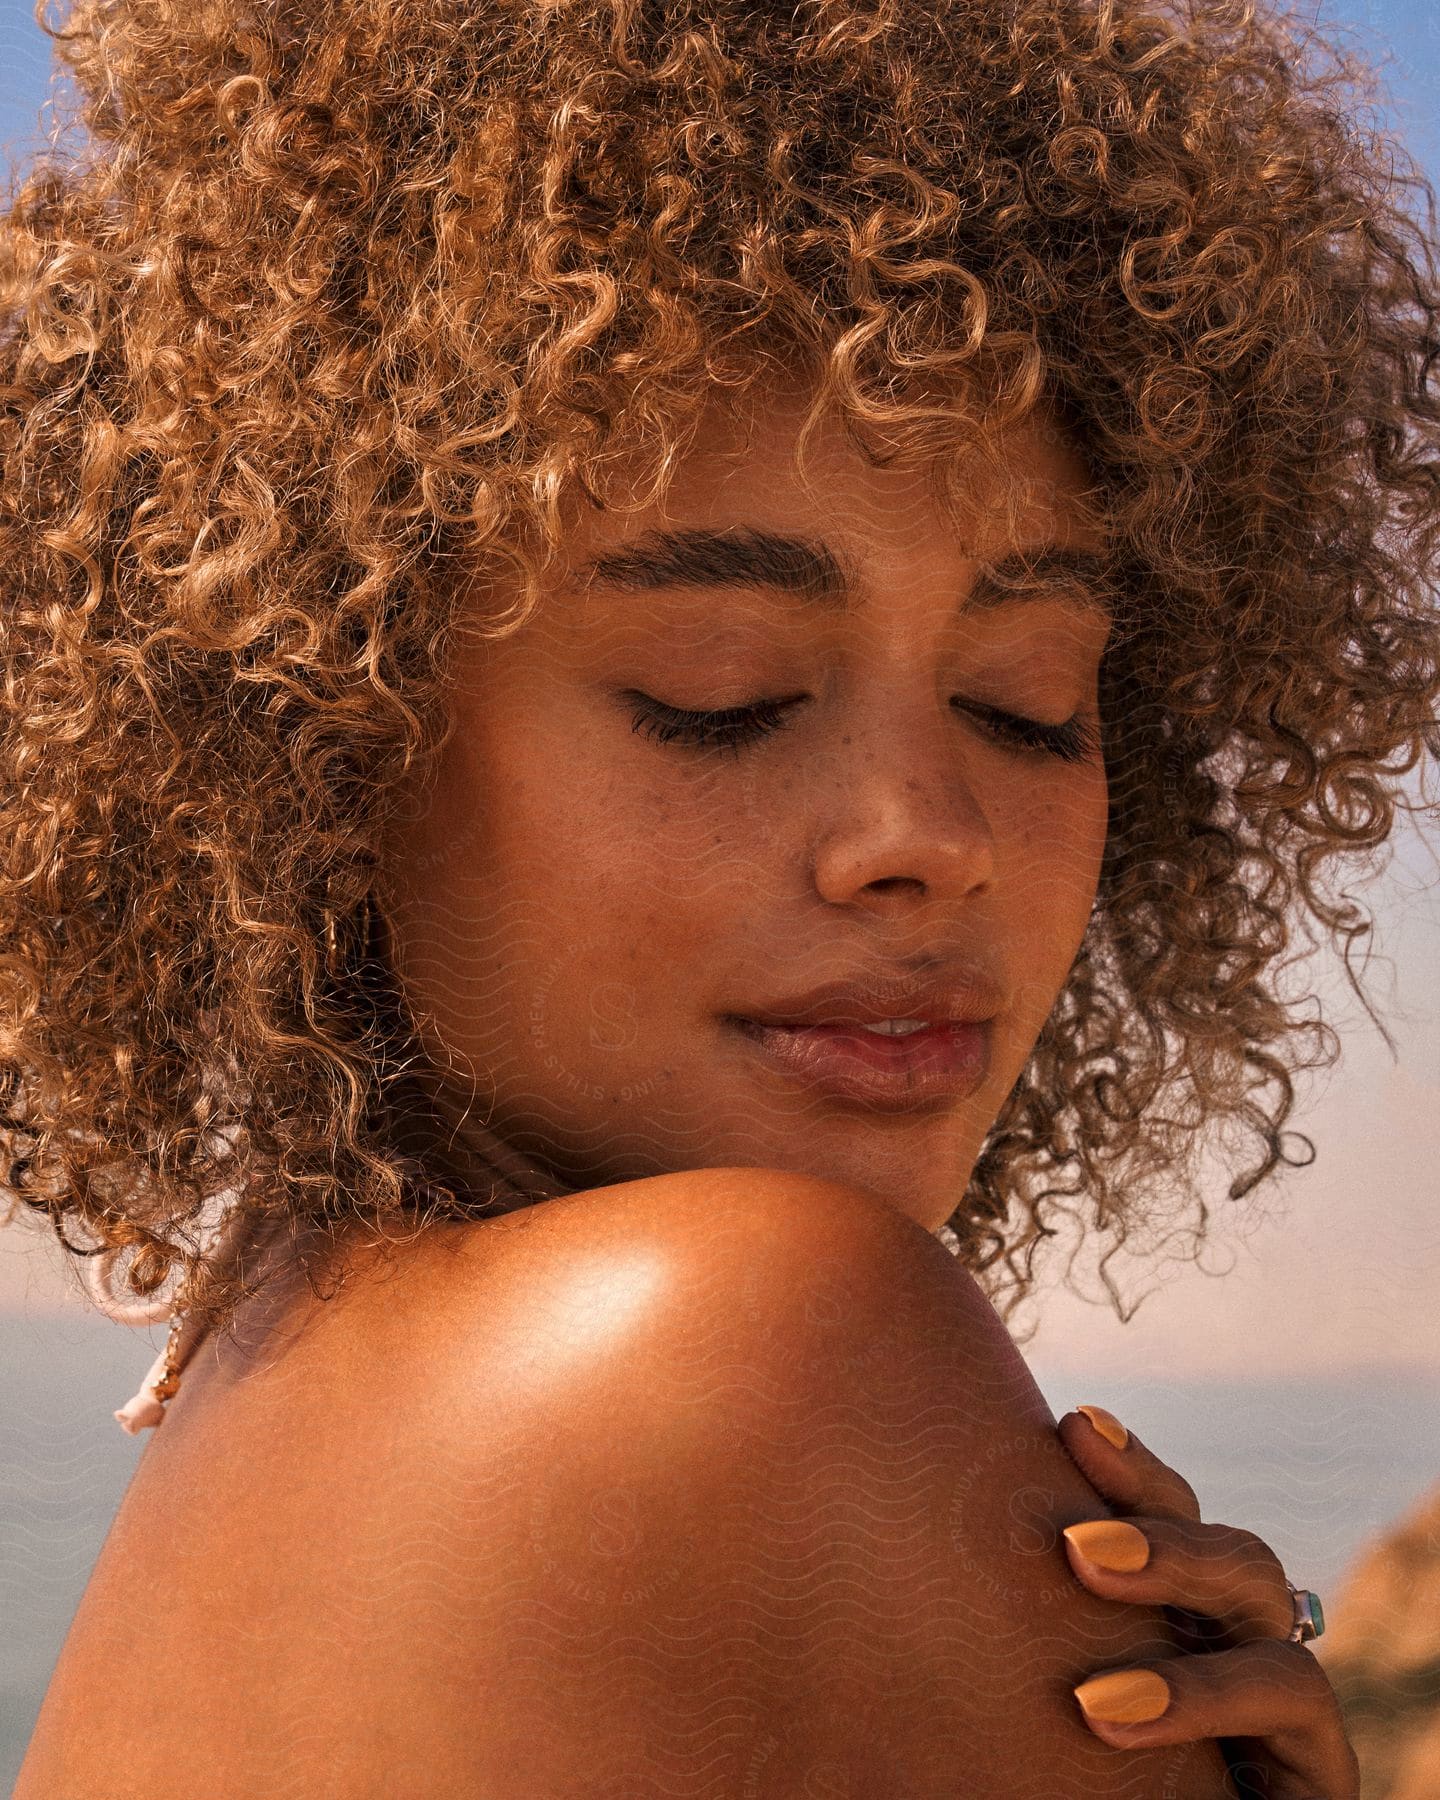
1106	1424
1124	1696
1111	1543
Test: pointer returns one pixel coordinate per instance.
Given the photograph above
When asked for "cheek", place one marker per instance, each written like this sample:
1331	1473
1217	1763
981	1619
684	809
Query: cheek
1056	842
600	854
1048	879
641	826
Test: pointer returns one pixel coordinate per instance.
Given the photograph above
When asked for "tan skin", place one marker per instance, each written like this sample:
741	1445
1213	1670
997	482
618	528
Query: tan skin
574	907
588	990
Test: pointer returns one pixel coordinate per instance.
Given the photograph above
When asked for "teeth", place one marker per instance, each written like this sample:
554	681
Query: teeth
897	1027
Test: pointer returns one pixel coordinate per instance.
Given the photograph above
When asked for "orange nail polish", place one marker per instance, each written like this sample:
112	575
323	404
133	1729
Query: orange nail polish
1111	1543
1124	1696
1107	1425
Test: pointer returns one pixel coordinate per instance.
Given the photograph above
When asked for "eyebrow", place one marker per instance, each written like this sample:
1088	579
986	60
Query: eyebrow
820	576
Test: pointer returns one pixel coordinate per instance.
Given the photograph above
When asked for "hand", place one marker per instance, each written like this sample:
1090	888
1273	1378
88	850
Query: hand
1268	1701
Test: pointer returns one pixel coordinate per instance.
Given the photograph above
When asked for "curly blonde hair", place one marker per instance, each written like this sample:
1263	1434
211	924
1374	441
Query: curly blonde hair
344	301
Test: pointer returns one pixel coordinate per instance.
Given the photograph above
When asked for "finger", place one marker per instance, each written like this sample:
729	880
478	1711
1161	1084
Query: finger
1222	1572
1132	1479
1269	1691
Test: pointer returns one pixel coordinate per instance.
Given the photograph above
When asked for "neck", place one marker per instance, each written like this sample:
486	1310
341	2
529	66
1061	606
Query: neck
488	1173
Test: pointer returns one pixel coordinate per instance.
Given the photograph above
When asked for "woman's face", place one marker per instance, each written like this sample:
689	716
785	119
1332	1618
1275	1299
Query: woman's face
580	910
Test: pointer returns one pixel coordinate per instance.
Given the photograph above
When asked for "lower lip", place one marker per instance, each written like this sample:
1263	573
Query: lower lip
870	1068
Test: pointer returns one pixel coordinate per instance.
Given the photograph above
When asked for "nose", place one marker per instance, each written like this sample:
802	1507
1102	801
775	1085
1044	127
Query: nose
907	816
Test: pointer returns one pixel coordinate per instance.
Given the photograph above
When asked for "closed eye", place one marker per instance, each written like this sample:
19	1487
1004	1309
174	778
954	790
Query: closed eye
1077	739
732	728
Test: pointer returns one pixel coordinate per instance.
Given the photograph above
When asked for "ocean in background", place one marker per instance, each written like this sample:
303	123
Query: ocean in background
1317	1469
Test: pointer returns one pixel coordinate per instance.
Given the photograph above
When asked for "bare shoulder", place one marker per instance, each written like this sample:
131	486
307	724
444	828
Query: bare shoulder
772	1501
772	1239
765	1277
725	1483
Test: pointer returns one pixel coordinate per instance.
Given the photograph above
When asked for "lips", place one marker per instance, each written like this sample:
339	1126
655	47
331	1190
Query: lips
963	995
920	1070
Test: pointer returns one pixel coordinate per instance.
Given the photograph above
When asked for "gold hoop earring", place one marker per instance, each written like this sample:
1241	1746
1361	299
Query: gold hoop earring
334	958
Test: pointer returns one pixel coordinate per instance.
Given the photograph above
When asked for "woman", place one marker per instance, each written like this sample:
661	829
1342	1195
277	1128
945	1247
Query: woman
608	550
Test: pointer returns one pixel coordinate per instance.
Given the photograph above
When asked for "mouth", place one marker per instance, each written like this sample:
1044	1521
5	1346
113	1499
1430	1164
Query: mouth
913	1070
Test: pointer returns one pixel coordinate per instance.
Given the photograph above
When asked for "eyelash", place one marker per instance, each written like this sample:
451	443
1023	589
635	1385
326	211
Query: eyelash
1077	740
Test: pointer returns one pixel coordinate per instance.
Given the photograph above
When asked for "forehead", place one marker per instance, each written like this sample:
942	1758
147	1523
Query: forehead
744	461
742	510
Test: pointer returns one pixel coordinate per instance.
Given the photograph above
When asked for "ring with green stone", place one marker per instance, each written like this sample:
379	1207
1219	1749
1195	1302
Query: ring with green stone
1309	1619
